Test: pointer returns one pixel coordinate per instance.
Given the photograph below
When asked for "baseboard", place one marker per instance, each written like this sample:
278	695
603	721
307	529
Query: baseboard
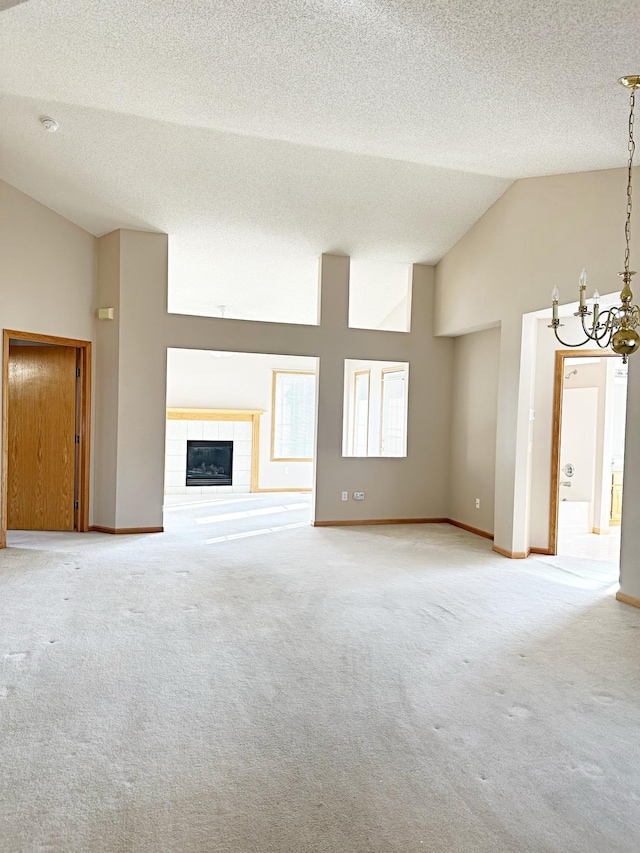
628	599
364	521
547	551
601	531
512	555
470	529
98	528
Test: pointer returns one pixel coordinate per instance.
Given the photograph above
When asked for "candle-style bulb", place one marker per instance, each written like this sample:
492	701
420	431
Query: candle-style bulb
555	294
596	296
583	278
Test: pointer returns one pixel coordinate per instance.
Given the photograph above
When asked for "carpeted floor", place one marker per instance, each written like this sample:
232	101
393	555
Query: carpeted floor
300	690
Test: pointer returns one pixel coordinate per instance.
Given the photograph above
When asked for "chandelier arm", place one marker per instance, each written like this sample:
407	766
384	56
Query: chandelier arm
607	327
590	333
565	344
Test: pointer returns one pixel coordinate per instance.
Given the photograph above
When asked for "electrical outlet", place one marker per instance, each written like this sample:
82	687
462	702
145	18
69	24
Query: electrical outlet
358	496
345	496
477	503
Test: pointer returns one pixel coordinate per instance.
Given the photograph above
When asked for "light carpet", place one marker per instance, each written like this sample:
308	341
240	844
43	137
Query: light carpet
361	690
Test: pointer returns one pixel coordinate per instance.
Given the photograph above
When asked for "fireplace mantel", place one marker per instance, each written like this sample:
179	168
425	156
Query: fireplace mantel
214	414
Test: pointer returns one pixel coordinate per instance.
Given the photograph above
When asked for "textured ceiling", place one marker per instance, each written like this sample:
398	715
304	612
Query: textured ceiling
158	100
247	217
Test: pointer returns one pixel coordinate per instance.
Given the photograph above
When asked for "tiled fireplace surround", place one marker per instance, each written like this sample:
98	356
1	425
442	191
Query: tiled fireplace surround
183	424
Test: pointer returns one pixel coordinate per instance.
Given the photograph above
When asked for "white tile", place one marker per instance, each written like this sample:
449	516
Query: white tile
175	463
176	446
210	490
242	430
174	478
175	490
224	490
226	430
241	463
242	478
241	490
241	448
211	430
176	429
194	429
193	490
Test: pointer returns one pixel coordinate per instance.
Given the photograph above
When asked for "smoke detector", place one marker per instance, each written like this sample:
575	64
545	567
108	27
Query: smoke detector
49	124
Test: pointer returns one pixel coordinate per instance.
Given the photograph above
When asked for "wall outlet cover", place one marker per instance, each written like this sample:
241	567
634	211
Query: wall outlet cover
358	496
477	503
345	496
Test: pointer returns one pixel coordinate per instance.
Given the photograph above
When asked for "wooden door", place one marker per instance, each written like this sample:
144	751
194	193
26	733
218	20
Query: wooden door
41	437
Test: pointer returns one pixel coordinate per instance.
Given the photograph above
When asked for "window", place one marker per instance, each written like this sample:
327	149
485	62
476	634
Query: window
293	415
360	412
393	430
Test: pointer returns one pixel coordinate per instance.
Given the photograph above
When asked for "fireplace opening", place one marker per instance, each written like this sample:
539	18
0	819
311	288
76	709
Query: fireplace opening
209	463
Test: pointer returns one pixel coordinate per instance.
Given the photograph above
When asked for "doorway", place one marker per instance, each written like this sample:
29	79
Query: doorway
46	399
588	455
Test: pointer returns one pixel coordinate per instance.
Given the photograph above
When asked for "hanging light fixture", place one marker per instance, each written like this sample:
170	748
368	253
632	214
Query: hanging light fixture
615	327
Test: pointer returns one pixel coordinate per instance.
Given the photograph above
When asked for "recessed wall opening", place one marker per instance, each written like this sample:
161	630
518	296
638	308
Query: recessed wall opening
240	441
214	273
379	295
376	395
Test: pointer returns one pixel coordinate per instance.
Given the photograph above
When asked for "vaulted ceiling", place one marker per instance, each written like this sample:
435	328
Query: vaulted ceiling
259	135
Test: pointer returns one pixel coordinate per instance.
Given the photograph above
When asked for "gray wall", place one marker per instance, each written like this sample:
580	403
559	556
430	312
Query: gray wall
473	427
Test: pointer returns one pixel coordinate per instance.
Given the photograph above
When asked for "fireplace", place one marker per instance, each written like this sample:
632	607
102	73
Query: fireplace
209	463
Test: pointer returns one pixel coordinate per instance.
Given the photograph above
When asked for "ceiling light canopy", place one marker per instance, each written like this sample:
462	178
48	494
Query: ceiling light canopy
49	124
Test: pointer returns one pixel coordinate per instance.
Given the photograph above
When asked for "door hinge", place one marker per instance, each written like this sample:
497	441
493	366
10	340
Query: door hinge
78	372
75	505
77	438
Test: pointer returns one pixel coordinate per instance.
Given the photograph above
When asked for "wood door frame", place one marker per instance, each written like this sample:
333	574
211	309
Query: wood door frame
83	349
561	355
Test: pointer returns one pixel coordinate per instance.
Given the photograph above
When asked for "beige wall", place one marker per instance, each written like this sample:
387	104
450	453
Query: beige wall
105	431
540	233
473	427
47	270
50	285
412	487
131	364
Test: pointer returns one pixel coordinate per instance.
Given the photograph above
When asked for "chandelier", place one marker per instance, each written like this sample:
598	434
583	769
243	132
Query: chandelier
615	327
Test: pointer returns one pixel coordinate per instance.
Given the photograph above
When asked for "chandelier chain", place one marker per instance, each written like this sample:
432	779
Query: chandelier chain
631	148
